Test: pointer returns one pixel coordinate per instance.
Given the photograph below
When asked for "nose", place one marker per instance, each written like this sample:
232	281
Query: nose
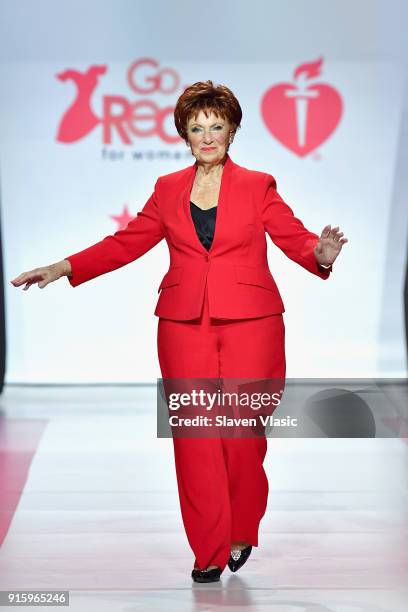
208	137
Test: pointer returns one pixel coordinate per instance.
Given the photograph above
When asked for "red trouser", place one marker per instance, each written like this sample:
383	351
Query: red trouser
223	487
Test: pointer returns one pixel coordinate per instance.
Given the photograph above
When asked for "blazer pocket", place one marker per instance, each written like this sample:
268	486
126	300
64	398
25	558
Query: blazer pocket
172	277
255	276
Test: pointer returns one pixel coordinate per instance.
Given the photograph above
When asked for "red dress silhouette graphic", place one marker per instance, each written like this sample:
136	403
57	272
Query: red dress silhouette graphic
80	119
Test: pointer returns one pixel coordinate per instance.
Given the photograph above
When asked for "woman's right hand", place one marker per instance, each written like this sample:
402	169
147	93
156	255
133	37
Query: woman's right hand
44	275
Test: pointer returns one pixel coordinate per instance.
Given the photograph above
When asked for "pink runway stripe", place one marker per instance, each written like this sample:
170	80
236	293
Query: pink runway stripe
19	440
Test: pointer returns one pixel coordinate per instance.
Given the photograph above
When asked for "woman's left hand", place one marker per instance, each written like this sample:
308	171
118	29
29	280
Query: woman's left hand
329	245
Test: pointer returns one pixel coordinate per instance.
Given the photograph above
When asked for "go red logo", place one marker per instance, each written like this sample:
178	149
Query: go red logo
124	118
302	114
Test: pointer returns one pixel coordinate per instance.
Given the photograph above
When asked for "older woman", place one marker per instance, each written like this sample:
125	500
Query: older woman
219	309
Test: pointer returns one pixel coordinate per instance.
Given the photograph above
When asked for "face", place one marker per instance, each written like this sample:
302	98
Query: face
209	137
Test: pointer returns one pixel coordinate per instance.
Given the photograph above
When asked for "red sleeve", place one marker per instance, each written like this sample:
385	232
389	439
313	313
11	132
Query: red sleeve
288	232
114	251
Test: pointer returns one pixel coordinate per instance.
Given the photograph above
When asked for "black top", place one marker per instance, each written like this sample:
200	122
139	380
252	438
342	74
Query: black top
204	221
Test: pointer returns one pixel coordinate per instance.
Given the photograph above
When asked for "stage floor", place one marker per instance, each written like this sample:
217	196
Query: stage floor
89	504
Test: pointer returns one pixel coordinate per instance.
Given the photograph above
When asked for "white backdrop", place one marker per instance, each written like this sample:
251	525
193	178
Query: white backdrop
59	197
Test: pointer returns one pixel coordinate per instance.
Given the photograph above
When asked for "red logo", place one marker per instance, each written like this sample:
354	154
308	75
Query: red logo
303	114
126	119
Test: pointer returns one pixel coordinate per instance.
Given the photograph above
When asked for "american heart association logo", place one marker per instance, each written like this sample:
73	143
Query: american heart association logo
302	115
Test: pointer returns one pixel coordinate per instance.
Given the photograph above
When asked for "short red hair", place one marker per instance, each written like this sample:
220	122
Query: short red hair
205	96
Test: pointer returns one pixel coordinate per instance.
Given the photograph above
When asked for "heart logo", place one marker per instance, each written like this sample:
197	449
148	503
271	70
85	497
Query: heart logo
301	115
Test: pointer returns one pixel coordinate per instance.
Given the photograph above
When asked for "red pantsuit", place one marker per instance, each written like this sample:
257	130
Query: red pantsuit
220	315
222	484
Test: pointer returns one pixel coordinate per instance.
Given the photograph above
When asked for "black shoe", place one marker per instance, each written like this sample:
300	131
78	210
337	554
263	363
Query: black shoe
212	575
238	558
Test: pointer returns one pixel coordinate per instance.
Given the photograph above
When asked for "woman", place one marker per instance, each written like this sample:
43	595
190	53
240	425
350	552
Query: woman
220	312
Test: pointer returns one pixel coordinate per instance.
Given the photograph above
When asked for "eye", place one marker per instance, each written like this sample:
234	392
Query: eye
195	129
218	127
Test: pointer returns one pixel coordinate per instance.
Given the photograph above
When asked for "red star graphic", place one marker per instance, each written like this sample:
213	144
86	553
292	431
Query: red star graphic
122	219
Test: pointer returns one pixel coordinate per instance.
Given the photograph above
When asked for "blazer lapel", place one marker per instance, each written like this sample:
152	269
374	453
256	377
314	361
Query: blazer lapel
222	208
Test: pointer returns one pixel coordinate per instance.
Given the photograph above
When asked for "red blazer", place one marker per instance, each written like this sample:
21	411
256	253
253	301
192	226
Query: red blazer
240	284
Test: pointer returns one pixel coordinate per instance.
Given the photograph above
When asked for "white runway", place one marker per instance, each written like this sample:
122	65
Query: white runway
98	513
